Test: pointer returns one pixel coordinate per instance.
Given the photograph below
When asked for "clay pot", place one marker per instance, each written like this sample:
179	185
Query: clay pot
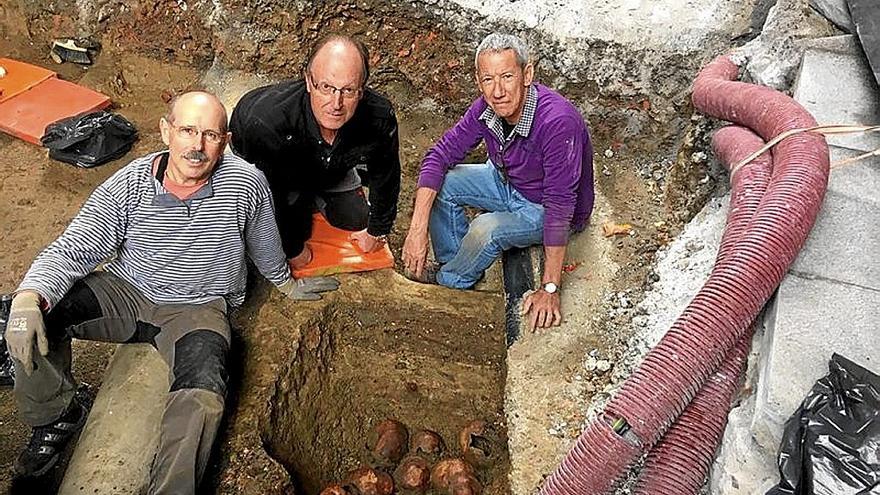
427	443
388	441
478	443
368	481
413	475
337	489
447	470
464	484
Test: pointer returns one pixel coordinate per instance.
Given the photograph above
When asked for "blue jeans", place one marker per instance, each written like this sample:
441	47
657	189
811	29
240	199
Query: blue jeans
465	250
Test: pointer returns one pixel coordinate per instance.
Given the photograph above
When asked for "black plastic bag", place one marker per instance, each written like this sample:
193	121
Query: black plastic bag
831	445
90	139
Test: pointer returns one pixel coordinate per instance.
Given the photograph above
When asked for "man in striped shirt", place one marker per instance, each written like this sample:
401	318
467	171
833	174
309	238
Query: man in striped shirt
173	229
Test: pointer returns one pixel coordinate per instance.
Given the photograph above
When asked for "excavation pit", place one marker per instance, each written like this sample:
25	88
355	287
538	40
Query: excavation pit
359	364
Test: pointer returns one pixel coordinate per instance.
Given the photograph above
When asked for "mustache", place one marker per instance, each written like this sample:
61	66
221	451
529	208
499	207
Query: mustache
196	155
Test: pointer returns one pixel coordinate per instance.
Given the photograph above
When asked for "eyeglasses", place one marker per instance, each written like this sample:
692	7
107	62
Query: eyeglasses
192	132
328	89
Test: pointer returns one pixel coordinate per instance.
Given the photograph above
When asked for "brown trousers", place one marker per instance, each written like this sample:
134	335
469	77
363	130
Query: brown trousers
192	339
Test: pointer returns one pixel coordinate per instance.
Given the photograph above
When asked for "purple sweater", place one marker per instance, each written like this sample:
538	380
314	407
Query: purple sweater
552	167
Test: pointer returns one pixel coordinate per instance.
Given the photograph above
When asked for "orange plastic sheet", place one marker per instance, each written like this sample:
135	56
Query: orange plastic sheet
20	77
34	98
333	253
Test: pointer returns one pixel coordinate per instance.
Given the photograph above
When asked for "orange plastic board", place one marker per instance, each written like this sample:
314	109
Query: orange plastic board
333	253
20	77
27	115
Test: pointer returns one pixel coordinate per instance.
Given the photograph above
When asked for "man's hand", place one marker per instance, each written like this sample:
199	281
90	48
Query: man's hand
415	252
25	326
542	308
366	242
415	246
308	288
302	259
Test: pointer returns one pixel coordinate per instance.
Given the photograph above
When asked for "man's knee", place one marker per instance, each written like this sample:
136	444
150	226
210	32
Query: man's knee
448	189
200	362
482	231
77	306
348	210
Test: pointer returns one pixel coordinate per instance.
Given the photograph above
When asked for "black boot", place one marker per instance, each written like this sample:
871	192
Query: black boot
48	441
7	368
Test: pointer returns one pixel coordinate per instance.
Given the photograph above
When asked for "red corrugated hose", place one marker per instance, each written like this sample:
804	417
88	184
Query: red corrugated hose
680	462
721	313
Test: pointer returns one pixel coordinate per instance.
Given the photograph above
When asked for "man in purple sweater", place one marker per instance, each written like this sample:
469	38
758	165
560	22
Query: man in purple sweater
536	187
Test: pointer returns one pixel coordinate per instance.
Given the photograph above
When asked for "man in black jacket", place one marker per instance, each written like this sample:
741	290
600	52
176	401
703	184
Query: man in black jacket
314	138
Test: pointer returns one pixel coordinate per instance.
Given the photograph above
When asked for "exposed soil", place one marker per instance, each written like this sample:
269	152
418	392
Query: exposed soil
361	364
310	381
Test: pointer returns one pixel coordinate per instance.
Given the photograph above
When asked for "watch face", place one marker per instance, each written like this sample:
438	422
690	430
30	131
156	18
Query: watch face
550	287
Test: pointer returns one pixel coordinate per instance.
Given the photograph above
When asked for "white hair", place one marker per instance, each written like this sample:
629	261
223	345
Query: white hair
498	42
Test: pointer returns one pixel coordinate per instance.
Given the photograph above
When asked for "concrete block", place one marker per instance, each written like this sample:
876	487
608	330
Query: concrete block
839	88
846	44
845	238
117	445
835	11
742	467
860	179
813	318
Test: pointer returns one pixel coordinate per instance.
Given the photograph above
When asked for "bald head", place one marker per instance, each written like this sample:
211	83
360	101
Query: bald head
195	132
199	102
337	52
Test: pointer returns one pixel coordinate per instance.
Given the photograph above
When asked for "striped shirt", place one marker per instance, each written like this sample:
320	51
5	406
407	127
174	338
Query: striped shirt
173	251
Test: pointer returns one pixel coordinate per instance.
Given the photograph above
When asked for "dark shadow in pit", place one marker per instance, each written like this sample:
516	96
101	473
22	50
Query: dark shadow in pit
359	364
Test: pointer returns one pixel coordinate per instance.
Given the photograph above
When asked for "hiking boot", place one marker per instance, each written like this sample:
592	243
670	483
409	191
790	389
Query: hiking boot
429	273
7	367
48	441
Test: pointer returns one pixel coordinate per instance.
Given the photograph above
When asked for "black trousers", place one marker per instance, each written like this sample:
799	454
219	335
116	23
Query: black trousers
347	210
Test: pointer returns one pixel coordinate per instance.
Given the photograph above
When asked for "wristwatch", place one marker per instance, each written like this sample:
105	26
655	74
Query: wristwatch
550	288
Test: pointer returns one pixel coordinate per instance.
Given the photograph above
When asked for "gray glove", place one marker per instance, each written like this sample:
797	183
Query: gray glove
309	288
24	327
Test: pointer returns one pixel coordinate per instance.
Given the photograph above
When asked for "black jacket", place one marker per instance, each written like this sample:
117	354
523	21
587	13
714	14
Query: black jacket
274	128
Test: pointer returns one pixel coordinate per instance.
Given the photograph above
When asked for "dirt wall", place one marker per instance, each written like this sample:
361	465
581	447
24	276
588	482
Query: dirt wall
623	91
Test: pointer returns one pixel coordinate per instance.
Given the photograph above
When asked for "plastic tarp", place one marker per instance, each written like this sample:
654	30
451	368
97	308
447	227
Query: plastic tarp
831	445
333	253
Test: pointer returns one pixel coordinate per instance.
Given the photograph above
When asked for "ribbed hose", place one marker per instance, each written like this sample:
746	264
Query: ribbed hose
748	183
680	462
737	289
